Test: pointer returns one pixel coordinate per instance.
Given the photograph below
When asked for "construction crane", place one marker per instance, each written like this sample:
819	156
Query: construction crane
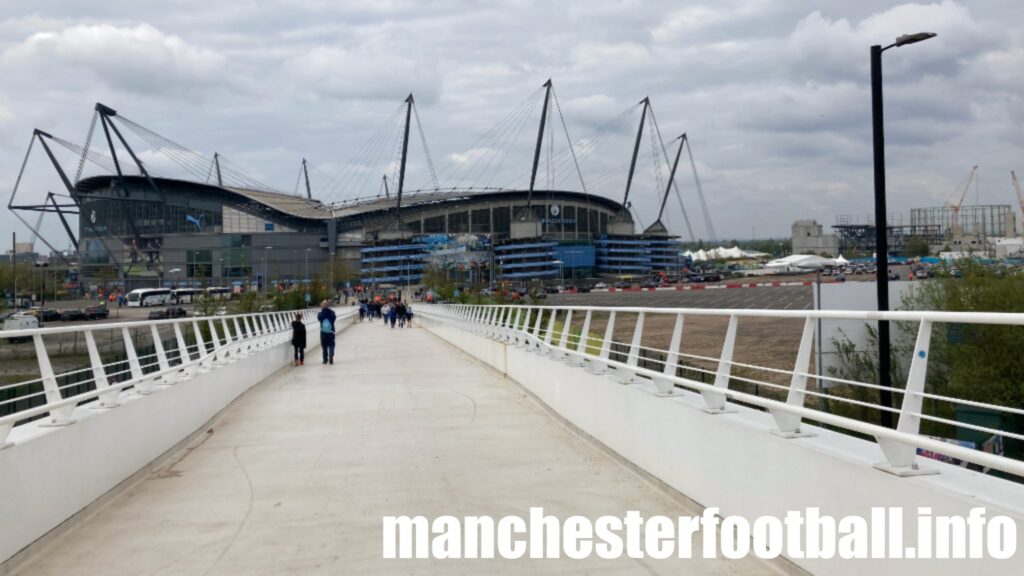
1020	195
957	200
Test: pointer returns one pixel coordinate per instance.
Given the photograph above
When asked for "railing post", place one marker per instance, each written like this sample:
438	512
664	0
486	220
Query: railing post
901	458
633	358
58	416
99	374
513	328
715	400
563	342
205	363
788	423
244	343
536	328
578	359
142	384
666	386
600	366
550	332
218	350
231	344
524	334
184	358
161	356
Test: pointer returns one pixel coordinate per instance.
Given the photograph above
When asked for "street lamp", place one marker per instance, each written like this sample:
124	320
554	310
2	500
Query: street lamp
881	221
561	280
266	277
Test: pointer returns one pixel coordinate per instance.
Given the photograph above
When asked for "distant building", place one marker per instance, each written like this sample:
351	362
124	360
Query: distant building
809	238
981	220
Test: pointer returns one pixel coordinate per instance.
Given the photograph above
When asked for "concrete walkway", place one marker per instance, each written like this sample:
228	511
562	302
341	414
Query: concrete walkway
295	477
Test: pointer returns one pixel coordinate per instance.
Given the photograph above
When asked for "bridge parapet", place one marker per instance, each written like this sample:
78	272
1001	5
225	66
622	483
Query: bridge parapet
728	448
558	332
70	435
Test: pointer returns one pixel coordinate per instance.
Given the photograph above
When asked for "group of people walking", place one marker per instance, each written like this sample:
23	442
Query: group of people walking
393	312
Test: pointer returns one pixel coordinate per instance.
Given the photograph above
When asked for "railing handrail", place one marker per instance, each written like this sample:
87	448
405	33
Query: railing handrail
230	333
899	445
1003	318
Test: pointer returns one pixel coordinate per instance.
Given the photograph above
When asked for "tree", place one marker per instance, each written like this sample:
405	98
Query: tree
917	247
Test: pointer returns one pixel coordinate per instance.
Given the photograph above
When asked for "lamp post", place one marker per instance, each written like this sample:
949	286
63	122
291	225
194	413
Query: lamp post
561	278
266	277
881	221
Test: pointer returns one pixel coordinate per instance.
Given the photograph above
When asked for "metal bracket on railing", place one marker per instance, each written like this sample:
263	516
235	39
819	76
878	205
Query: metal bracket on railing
664	386
627	375
578	358
549	334
523	334
901	458
563	342
716	401
58	416
142	385
188	369
161	357
99	375
535	340
787	422
600	366
206	363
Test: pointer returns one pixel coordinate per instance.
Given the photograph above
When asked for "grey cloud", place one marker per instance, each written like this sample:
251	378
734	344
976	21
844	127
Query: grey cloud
774	93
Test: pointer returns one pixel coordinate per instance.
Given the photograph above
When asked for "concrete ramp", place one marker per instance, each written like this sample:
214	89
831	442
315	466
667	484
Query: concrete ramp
297	475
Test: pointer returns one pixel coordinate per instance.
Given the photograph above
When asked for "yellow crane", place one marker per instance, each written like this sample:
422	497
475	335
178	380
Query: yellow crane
1020	195
957	200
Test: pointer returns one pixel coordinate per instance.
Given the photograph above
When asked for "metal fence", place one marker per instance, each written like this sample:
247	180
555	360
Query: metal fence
565	333
148	354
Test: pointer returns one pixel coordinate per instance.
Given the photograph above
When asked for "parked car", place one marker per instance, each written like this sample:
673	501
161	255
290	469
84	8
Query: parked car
551	289
49	315
622	284
157	315
96	312
840	277
72	315
600	286
650	284
714	276
175	312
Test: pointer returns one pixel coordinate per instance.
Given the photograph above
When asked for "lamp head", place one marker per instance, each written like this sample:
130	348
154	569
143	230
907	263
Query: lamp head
914	38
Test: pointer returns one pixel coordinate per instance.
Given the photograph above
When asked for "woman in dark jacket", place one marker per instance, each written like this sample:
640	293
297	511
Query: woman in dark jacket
299	339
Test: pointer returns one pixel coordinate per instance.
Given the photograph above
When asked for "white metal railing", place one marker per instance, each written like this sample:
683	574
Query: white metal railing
564	332
227	339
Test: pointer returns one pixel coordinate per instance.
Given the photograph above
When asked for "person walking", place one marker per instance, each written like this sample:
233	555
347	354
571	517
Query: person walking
299	340
362	310
392	314
400	312
408	315
326	318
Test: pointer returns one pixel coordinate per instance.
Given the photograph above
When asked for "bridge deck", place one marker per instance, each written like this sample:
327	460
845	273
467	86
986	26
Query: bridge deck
296	476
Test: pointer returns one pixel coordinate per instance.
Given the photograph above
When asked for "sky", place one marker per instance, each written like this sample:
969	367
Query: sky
773	95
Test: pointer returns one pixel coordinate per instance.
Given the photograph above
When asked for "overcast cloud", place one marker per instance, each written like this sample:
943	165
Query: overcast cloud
773	94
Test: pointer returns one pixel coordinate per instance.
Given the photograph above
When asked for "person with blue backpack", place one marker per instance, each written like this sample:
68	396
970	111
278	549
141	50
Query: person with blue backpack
326	318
